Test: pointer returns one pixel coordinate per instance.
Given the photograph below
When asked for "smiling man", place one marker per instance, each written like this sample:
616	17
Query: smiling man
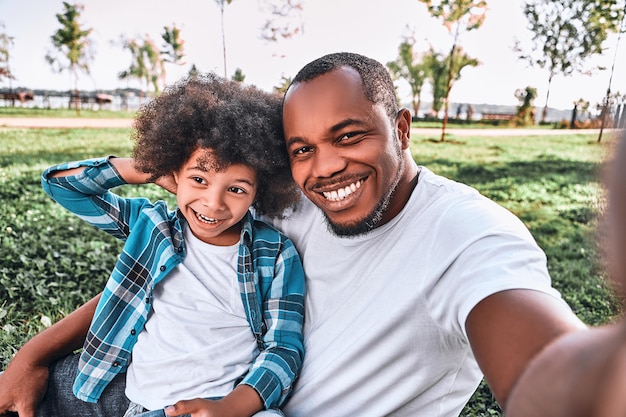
417	285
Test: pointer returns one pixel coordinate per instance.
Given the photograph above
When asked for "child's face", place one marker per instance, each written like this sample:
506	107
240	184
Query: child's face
214	202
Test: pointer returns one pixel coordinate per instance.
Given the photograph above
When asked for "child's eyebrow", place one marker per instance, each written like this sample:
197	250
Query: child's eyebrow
246	181
198	168
201	168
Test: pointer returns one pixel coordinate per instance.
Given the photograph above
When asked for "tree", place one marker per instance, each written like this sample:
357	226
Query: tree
566	33
193	71
409	67
442	75
525	114
6	43
238	76
72	43
285	20
221	4
458	16
173	47
146	63
436	73
282	88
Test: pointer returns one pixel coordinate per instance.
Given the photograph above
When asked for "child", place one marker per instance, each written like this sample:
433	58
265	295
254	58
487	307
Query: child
190	284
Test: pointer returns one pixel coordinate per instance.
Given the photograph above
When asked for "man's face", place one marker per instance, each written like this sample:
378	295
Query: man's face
344	151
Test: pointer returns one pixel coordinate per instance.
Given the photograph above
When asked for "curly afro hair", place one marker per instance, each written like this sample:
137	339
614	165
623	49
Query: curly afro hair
239	124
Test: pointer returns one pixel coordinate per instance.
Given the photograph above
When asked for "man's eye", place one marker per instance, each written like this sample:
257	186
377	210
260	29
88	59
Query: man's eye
347	136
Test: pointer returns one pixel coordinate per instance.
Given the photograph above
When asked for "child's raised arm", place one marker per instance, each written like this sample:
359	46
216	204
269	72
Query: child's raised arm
124	166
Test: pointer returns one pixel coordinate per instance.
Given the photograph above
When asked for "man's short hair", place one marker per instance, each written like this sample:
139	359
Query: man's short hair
375	79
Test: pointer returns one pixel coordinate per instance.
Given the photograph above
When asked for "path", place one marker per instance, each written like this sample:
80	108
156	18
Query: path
41	122
60	122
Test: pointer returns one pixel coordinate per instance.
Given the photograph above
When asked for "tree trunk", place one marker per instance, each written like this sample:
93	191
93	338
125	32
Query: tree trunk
223	38
76	92
544	113
446	103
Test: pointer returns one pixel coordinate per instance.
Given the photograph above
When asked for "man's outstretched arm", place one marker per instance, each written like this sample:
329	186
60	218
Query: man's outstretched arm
24	382
507	329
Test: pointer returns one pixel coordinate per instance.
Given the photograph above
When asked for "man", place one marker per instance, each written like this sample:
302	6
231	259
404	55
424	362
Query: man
420	278
415	284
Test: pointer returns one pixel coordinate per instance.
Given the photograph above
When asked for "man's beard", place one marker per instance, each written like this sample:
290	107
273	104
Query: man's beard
372	220
363	226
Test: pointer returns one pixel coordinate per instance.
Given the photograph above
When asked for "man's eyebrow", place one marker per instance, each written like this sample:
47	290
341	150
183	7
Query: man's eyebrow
345	123
333	129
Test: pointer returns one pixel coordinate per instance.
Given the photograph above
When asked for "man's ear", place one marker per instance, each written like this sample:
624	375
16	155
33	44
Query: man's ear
403	127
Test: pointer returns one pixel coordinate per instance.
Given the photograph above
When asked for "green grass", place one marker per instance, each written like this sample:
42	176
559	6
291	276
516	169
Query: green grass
51	262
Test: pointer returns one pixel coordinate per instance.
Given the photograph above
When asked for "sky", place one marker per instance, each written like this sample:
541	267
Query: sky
374	28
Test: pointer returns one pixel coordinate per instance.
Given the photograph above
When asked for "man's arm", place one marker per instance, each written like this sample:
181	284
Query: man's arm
24	383
580	374
507	329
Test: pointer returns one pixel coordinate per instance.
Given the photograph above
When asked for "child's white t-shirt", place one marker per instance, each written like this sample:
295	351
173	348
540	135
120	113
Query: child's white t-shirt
197	341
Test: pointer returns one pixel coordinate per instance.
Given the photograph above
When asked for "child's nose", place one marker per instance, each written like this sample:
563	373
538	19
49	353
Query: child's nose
212	200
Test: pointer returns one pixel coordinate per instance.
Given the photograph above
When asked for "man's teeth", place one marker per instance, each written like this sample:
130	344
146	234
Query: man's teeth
206	219
340	194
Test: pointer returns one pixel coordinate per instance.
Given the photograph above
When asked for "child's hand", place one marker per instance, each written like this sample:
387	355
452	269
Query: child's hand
197	408
243	401
168	183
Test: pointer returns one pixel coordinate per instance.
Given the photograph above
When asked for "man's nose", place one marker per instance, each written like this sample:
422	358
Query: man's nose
327	162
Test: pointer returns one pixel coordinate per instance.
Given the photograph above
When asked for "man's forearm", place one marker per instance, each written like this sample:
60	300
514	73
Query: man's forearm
60	339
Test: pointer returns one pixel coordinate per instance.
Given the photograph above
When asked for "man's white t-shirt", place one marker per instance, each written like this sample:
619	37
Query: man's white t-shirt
386	311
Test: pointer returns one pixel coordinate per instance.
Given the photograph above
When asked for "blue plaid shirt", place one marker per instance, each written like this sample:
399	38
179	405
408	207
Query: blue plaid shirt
270	275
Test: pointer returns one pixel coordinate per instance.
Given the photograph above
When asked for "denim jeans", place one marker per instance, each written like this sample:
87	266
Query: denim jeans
60	401
136	410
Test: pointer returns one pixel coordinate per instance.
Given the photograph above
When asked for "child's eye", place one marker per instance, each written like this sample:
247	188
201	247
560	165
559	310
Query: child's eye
199	180
302	150
236	190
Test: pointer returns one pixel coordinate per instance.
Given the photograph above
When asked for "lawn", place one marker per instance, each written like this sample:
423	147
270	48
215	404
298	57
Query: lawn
51	262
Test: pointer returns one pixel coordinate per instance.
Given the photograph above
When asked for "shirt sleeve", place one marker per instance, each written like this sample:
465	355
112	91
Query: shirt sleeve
87	195
275	370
